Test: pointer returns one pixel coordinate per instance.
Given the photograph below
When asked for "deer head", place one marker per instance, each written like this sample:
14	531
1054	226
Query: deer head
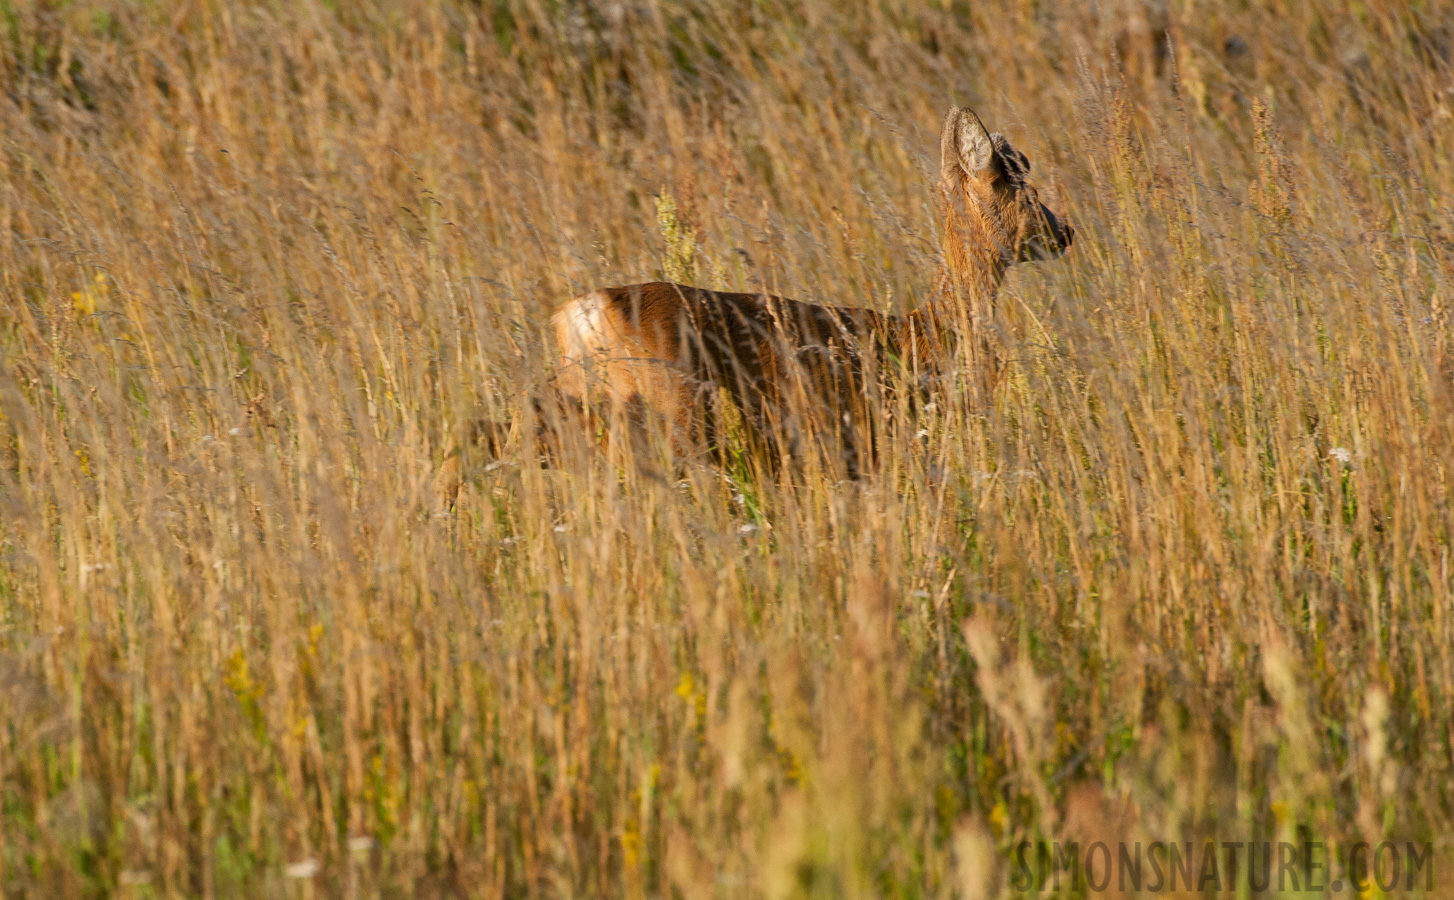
994	217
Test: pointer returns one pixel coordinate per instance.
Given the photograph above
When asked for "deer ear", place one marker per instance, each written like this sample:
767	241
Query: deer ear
966	145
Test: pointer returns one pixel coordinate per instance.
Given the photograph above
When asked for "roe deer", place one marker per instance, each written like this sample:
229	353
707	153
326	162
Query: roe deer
662	346
664	349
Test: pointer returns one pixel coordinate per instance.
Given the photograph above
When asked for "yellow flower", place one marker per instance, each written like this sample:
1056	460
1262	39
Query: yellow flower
1000	817
88	299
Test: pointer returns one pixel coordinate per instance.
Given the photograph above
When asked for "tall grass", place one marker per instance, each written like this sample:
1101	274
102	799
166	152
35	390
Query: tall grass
1185	573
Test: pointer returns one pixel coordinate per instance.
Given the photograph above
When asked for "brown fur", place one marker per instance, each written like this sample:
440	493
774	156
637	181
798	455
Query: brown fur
666	347
659	351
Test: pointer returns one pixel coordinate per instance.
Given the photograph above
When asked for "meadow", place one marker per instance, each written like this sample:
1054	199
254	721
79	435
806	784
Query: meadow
1182	573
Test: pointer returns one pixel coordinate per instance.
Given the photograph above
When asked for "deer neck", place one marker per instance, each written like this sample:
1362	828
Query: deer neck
964	293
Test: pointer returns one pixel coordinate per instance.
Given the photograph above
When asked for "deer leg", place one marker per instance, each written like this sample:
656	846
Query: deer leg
476	440
480	442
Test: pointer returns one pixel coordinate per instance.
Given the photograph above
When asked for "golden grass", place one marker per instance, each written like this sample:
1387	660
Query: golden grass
1185	574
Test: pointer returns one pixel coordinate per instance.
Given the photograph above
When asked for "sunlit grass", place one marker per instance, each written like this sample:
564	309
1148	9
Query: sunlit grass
1183	573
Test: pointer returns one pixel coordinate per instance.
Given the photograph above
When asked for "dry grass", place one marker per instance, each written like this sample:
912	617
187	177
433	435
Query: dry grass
1186	573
